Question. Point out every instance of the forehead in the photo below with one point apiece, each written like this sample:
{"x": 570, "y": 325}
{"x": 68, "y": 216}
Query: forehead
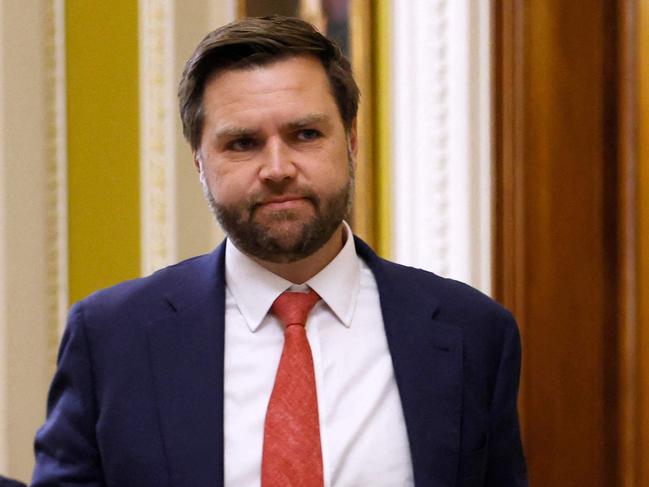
{"x": 289, "y": 83}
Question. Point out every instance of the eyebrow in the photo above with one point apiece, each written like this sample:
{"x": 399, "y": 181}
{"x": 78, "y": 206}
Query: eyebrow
{"x": 233, "y": 132}
{"x": 309, "y": 119}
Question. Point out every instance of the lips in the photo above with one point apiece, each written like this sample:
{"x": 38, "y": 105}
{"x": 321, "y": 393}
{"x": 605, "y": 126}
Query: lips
{"x": 283, "y": 202}
{"x": 282, "y": 199}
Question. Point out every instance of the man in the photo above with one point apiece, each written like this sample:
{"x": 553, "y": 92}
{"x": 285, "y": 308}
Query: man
{"x": 204, "y": 373}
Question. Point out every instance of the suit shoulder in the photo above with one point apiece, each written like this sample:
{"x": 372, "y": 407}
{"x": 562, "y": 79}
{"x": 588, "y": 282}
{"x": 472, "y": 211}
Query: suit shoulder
{"x": 145, "y": 294}
{"x": 458, "y": 300}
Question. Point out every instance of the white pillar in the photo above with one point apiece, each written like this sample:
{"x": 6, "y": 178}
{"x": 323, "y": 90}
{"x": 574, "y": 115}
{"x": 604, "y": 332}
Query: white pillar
{"x": 176, "y": 222}
{"x": 441, "y": 160}
{"x": 33, "y": 282}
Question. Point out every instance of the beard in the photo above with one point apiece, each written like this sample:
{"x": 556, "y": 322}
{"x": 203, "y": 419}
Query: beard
{"x": 286, "y": 235}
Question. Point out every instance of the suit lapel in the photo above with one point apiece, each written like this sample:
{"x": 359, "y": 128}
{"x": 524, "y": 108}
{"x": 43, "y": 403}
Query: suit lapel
{"x": 427, "y": 359}
{"x": 186, "y": 354}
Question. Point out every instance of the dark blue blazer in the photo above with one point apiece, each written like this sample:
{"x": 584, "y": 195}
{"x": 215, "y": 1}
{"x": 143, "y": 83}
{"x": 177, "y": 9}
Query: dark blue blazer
{"x": 137, "y": 398}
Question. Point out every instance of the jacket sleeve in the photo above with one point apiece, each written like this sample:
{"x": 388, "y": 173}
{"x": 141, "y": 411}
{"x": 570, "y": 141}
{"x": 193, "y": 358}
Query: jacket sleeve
{"x": 66, "y": 446}
{"x": 506, "y": 463}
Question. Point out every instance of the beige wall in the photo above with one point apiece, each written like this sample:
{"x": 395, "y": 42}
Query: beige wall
{"x": 34, "y": 278}
{"x": 27, "y": 323}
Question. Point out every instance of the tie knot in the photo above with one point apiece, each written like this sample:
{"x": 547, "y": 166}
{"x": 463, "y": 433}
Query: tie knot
{"x": 293, "y": 308}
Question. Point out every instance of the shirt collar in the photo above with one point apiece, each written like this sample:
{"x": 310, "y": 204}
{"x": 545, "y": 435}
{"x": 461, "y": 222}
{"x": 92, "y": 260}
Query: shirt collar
{"x": 338, "y": 283}
{"x": 255, "y": 288}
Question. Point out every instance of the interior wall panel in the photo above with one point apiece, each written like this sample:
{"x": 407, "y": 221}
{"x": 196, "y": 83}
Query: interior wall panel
{"x": 175, "y": 220}
{"x": 29, "y": 247}
{"x": 640, "y": 414}
{"x": 564, "y": 232}
{"x": 103, "y": 144}
{"x": 441, "y": 159}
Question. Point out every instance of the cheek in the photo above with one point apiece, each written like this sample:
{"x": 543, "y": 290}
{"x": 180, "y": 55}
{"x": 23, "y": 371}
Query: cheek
{"x": 331, "y": 169}
{"x": 337, "y": 173}
{"x": 228, "y": 186}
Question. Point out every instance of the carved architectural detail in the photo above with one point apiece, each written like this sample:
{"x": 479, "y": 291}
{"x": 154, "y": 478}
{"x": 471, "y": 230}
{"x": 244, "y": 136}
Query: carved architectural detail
{"x": 56, "y": 172}
{"x": 33, "y": 214}
{"x": 421, "y": 139}
{"x": 441, "y": 165}
{"x": 157, "y": 142}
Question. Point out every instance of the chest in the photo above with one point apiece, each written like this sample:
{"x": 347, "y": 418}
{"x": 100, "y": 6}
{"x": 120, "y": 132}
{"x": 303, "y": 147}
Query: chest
{"x": 363, "y": 433}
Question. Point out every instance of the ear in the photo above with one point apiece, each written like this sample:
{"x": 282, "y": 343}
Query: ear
{"x": 353, "y": 138}
{"x": 196, "y": 155}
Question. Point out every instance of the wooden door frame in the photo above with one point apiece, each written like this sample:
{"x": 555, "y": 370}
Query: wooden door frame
{"x": 637, "y": 417}
{"x": 625, "y": 394}
{"x": 630, "y": 437}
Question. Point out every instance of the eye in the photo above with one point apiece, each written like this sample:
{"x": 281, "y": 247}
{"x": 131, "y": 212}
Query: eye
{"x": 308, "y": 134}
{"x": 241, "y": 145}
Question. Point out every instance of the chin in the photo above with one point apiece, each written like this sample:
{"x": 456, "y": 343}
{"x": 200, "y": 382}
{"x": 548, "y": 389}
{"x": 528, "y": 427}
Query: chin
{"x": 288, "y": 239}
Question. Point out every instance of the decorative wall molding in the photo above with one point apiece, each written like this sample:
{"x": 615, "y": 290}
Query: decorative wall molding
{"x": 33, "y": 209}
{"x": 56, "y": 170}
{"x": 157, "y": 140}
{"x": 175, "y": 220}
{"x": 441, "y": 163}
{"x": 4, "y": 257}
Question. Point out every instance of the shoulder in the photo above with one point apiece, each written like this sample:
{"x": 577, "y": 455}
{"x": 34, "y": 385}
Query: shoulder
{"x": 147, "y": 297}
{"x": 454, "y": 302}
{"x": 456, "y": 299}
{"x": 115, "y": 321}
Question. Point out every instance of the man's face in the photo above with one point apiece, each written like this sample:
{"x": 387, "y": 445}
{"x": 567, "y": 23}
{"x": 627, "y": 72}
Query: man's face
{"x": 276, "y": 161}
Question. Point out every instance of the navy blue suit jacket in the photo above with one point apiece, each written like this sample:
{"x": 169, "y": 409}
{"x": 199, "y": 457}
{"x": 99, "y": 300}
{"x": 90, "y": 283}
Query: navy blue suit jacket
{"x": 137, "y": 398}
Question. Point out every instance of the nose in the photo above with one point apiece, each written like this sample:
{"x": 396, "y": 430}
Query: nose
{"x": 277, "y": 165}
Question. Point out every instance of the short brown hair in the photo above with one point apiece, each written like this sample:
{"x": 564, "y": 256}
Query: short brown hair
{"x": 258, "y": 41}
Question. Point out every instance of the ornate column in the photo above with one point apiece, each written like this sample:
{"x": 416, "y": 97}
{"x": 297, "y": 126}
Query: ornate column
{"x": 441, "y": 162}
{"x": 176, "y": 222}
{"x": 33, "y": 232}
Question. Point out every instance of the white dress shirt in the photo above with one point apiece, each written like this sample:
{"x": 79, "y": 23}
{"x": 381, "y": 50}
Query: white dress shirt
{"x": 363, "y": 433}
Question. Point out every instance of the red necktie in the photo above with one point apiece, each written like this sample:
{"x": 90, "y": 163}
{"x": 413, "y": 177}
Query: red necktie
{"x": 292, "y": 455}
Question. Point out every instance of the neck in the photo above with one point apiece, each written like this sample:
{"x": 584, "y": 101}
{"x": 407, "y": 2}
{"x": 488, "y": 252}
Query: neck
{"x": 302, "y": 270}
